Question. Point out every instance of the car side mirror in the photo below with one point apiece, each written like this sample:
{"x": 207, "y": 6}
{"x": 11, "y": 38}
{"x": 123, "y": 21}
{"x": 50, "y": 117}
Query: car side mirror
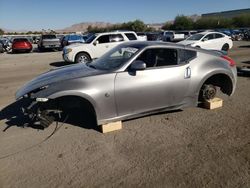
{"x": 138, "y": 65}
{"x": 96, "y": 42}
{"x": 205, "y": 39}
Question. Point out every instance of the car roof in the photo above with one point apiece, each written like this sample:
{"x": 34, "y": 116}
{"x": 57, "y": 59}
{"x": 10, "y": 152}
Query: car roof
{"x": 145, "y": 44}
{"x": 209, "y": 32}
{"x": 114, "y": 32}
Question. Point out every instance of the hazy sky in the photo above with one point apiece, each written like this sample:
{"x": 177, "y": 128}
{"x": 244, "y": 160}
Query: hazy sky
{"x": 58, "y": 14}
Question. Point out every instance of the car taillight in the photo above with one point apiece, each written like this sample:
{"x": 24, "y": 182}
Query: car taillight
{"x": 230, "y": 61}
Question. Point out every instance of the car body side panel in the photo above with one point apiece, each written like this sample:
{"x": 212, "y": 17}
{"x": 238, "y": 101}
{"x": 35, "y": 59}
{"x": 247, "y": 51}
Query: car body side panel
{"x": 151, "y": 89}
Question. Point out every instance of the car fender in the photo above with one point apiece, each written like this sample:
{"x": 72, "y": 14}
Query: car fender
{"x": 76, "y": 94}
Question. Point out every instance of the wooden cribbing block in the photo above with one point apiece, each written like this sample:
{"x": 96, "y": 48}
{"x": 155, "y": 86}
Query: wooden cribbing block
{"x": 213, "y": 103}
{"x": 109, "y": 127}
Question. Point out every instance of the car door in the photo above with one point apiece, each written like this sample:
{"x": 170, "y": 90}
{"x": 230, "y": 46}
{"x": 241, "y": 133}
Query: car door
{"x": 218, "y": 41}
{"x": 208, "y": 41}
{"x": 104, "y": 43}
{"x": 162, "y": 84}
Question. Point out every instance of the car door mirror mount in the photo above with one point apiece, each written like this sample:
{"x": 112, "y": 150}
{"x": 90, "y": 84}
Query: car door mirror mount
{"x": 96, "y": 42}
{"x": 138, "y": 65}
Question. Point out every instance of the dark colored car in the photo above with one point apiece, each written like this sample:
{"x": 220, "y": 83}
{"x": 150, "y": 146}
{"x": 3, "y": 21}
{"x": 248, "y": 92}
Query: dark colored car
{"x": 21, "y": 45}
{"x": 153, "y": 36}
{"x": 1, "y": 47}
{"x": 70, "y": 39}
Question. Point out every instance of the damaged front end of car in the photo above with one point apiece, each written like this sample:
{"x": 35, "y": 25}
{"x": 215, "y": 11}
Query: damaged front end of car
{"x": 40, "y": 111}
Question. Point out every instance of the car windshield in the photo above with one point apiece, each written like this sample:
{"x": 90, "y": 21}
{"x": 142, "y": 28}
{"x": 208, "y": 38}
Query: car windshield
{"x": 91, "y": 38}
{"x": 195, "y": 37}
{"x": 115, "y": 58}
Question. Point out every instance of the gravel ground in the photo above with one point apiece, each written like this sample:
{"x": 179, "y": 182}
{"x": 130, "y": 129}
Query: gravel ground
{"x": 190, "y": 148}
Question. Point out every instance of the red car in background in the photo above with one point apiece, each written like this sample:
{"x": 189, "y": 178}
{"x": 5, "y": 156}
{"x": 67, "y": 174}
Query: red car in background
{"x": 21, "y": 45}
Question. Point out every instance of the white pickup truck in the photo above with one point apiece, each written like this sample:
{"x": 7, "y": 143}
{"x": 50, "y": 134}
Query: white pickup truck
{"x": 172, "y": 36}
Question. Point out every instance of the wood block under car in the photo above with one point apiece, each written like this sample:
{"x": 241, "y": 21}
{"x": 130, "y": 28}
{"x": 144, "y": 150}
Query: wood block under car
{"x": 109, "y": 127}
{"x": 213, "y": 103}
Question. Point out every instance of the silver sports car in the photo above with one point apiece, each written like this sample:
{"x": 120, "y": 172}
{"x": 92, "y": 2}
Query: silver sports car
{"x": 134, "y": 79}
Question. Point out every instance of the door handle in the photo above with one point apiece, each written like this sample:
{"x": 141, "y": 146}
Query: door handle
{"x": 187, "y": 73}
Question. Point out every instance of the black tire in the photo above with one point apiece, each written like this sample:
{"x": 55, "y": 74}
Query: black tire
{"x": 208, "y": 92}
{"x": 197, "y": 46}
{"x": 82, "y": 57}
{"x": 225, "y": 47}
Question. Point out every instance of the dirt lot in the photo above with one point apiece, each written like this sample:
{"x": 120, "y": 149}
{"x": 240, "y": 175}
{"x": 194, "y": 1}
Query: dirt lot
{"x": 190, "y": 148}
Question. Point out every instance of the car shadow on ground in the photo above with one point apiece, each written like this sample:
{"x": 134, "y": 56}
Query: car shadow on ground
{"x": 246, "y": 62}
{"x": 13, "y": 116}
{"x": 36, "y": 50}
{"x": 60, "y": 64}
{"x": 243, "y": 71}
{"x": 244, "y": 46}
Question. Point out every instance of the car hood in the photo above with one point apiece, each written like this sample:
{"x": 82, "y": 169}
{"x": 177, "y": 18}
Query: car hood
{"x": 57, "y": 75}
{"x": 187, "y": 42}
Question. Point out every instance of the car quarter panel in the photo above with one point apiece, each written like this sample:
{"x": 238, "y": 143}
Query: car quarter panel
{"x": 204, "y": 67}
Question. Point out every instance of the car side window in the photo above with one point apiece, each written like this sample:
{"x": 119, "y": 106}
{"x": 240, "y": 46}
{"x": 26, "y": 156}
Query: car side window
{"x": 209, "y": 37}
{"x": 116, "y": 38}
{"x": 130, "y": 36}
{"x": 159, "y": 57}
{"x": 185, "y": 55}
{"x": 217, "y": 35}
{"x": 103, "y": 39}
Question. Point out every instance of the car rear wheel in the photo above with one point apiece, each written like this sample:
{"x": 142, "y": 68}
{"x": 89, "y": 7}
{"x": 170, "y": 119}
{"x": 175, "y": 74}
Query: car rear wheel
{"x": 82, "y": 58}
{"x": 225, "y": 47}
{"x": 208, "y": 92}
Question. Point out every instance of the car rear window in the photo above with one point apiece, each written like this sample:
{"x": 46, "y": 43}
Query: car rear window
{"x": 49, "y": 36}
{"x": 20, "y": 40}
{"x": 131, "y": 36}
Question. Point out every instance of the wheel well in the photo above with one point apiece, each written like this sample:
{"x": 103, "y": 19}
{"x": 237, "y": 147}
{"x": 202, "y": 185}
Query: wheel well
{"x": 82, "y": 52}
{"x": 222, "y": 81}
{"x": 76, "y": 103}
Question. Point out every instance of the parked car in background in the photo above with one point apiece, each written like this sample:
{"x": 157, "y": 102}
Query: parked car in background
{"x": 7, "y": 44}
{"x": 141, "y": 36}
{"x": 21, "y": 45}
{"x": 1, "y": 47}
{"x": 134, "y": 79}
{"x": 210, "y": 41}
{"x": 186, "y": 33}
{"x": 49, "y": 41}
{"x": 71, "y": 39}
{"x": 172, "y": 36}
{"x": 154, "y": 36}
{"x": 96, "y": 45}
